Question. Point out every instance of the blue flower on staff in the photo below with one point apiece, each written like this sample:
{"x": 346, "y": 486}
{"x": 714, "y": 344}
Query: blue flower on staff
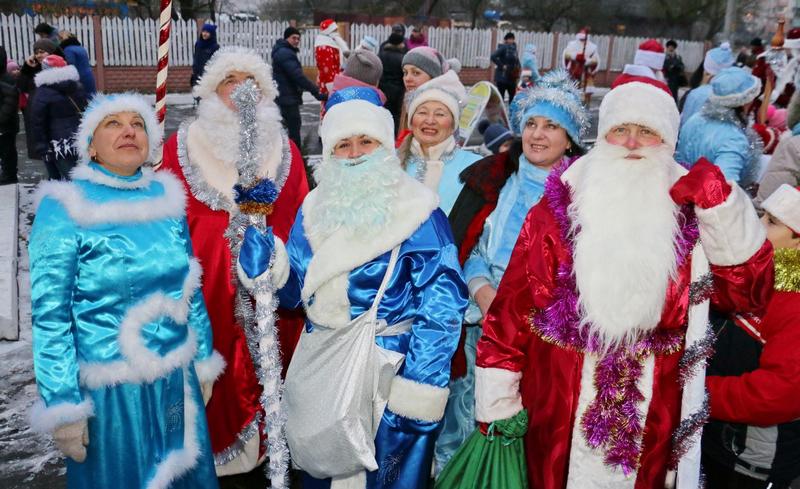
{"x": 264, "y": 192}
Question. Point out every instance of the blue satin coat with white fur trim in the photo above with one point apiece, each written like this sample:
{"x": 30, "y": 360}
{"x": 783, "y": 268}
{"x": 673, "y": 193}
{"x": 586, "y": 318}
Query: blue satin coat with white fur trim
{"x": 427, "y": 285}
{"x": 102, "y": 290}
{"x": 721, "y": 142}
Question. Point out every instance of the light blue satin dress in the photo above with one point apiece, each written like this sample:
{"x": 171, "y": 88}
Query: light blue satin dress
{"x": 119, "y": 325}
{"x": 486, "y": 265}
{"x": 427, "y": 286}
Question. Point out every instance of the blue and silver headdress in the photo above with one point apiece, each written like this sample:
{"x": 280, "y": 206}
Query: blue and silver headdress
{"x": 557, "y": 98}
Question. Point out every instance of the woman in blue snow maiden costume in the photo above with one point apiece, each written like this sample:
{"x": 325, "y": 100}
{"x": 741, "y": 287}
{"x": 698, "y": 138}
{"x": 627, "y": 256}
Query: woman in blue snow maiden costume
{"x": 121, "y": 340}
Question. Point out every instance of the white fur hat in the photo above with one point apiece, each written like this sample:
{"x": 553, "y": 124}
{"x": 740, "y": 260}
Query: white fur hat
{"x": 784, "y": 204}
{"x": 446, "y": 89}
{"x": 235, "y": 58}
{"x": 354, "y": 118}
{"x": 102, "y": 106}
{"x": 643, "y": 104}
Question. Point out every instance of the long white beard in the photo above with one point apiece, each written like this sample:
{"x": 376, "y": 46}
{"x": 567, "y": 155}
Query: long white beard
{"x": 220, "y": 127}
{"x": 358, "y": 199}
{"x": 625, "y": 226}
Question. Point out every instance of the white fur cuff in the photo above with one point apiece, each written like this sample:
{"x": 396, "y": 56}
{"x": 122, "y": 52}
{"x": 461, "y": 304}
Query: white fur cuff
{"x": 731, "y": 232}
{"x": 414, "y": 400}
{"x": 209, "y": 369}
{"x": 496, "y": 394}
{"x": 279, "y": 269}
{"x": 46, "y": 419}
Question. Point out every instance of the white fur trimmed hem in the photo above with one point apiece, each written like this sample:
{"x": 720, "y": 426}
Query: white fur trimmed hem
{"x": 496, "y": 394}
{"x": 44, "y": 419}
{"x": 731, "y": 232}
{"x": 414, "y": 400}
{"x": 179, "y": 462}
{"x": 209, "y": 369}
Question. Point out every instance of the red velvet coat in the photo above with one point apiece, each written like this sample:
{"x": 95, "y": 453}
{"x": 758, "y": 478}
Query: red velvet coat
{"x": 235, "y": 399}
{"x": 551, "y": 373}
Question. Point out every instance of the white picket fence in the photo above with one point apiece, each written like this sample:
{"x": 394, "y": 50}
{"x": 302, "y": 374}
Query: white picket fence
{"x": 16, "y": 33}
{"x": 133, "y": 42}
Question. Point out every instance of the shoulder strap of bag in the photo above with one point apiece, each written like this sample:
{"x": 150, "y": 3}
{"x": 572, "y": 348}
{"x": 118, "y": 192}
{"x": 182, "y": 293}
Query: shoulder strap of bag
{"x": 78, "y": 109}
{"x": 373, "y": 311}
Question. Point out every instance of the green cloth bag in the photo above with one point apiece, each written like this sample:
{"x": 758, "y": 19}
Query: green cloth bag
{"x": 492, "y": 461}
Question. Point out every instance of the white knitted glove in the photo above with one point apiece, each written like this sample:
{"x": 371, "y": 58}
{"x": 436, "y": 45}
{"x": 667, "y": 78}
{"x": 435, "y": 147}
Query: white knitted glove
{"x": 72, "y": 439}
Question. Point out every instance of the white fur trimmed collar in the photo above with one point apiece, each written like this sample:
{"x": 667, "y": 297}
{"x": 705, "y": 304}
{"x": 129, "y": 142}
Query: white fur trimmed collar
{"x": 86, "y": 212}
{"x": 51, "y": 76}
{"x": 85, "y": 171}
{"x": 340, "y": 253}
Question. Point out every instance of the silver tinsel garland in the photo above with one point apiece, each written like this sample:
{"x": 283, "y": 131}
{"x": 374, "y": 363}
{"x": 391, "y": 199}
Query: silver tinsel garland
{"x": 263, "y": 344}
{"x": 701, "y": 289}
{"x": 243, "y": 310}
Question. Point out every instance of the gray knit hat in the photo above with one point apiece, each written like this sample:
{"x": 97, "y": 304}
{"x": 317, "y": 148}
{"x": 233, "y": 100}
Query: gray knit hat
{"x": 426, "y": 59}
{"x": 364, "y": 66}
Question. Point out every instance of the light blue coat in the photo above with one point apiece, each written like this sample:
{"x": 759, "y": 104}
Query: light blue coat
{"x": 450, "y": 184}
{"x": 120, "y": 329}
{"x": 720, "y": 140}
{"x": 695, "y": 100}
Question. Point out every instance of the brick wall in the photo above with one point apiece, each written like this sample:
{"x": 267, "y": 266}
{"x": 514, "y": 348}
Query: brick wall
{"x": 143, "y": 78}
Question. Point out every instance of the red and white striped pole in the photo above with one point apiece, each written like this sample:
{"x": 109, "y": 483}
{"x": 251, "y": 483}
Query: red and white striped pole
{"x": 164, "y": 22}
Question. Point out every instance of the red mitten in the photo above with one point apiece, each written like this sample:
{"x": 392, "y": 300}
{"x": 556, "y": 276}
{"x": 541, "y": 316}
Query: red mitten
{"x": 704, "y": 186}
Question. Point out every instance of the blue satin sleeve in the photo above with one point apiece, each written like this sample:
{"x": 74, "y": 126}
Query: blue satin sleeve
{"x": 299, "y": 251}
{"x": 440, "y": 299}
{"x": 53, "y": 250}
{"x": 198, "y": 315}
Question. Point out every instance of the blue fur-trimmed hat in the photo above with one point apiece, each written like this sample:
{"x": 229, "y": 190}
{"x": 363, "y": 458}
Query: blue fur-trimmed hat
{"x": 734, "y": 87}
{"x": 103, "y": 105}
{"x": 557, "y": 98}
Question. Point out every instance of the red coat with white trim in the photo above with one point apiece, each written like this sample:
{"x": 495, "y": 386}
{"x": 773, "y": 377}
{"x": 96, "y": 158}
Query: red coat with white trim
{"x": 525, "y": 359}
{"x": 235, "y": 402}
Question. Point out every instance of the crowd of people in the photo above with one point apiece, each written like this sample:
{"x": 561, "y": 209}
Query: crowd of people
{"x": 551, "y": 313}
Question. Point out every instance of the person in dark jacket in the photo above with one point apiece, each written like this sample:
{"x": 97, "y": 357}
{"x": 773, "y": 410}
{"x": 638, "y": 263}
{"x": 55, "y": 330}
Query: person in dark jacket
{"x": 76, "y": 55}
{"x": 25, "y": 84}
{"x": 46, "y": 31}
{"x": 204, "y": 48}
{"x": 674, "y": 70}
{"x": 391, "y": 54}
{"x": 56, "y": 114}
{"x": 507, "y": 66}
{"x": 9, "y": 123}
{"x": 288, "y": 74}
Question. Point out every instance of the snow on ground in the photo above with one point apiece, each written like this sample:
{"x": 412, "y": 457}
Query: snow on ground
{"x": 28, "y": 460}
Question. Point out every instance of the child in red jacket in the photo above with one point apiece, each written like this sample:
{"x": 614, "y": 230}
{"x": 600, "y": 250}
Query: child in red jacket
{"x": 753, "y": 439}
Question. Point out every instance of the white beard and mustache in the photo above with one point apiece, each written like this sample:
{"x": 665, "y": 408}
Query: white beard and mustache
{"x": 220, "y": 127}
{"x": 358, "y": 199}
{"x": 625, "y": 226}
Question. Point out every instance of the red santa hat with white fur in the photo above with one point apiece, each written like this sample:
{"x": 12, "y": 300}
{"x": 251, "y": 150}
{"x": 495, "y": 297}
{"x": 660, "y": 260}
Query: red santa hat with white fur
{"x": 328, "y": 26}
{"x": 650, "y": 54}
{"x": 784, "y": 204}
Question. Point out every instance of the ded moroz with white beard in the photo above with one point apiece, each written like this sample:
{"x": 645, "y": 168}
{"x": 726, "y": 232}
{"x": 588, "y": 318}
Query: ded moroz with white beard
{"x": 371, "y": 258}
{"x": 599, "y": 327}
{"x": 203, "y": 154}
